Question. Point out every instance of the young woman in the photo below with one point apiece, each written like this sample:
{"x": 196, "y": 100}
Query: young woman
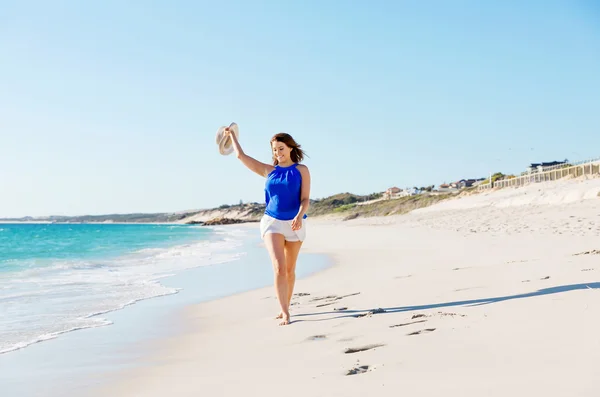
{"x": 282, "y": 227}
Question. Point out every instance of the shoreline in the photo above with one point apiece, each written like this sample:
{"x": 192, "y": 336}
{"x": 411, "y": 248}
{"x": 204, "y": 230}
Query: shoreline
{"x": 74, "y": 362}
{"x": 408, "y": 298}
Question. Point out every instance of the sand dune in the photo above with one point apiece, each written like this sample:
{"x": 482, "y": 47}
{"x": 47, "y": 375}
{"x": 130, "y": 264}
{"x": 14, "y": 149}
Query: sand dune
{"x": 547, "y": 193}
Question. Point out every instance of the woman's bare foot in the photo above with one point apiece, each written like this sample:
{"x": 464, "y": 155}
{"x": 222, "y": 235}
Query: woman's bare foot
{"x": 285, "y": 319}
{"x": 280, "y": 315}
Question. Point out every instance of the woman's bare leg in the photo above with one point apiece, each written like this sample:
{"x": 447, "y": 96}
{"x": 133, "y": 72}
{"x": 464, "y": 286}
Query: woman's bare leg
{"x": 275, "y": 244}
{"x": 291, "y": 249}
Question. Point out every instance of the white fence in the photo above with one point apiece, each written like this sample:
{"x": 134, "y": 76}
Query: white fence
{"x": 484, "y": 186}
{"x": 588, "y": 167}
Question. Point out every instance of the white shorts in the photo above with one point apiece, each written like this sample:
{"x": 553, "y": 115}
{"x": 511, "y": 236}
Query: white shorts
{"x": 268, "y": 224}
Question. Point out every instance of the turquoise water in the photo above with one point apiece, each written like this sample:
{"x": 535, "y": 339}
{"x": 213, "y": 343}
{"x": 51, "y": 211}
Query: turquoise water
{"x": 225, "y": 261}
{"x": 30, "y": 245}
{"x": 57, "y": 278}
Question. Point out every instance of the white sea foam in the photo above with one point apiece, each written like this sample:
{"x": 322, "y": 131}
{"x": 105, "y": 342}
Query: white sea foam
{"x": 48, "y": 336}
{"x": 42, "y": 303}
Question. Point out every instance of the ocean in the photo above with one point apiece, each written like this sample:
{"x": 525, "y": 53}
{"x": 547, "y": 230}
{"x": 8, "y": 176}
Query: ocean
{"x": 81, "y": 302}
{"x": 57, "y": 278}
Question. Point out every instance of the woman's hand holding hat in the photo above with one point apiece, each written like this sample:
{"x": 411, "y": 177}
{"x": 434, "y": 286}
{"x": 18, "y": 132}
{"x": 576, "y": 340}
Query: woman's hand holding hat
{"x": 225, "y": 137}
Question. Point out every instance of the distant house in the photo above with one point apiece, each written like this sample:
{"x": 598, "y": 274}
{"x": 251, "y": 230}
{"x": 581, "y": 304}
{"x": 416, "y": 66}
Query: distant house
{"x": 391, "y": 193}
{"x": 409, "y": 192}
{"x": 462, "y": 184}
{"x": 454, "y": 186}
{"x": 541, "y": 167}
{"x": 444, "y": 187}
{"x": 465, "y": 183}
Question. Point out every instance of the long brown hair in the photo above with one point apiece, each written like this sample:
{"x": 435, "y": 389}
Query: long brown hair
{"x": 296, "y": 154}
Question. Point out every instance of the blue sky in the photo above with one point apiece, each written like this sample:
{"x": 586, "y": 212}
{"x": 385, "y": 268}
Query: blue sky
{"x": 112, "y": 107}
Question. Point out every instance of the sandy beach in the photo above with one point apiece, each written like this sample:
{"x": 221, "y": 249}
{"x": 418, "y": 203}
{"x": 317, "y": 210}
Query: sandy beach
{"x": 491, "y": 295}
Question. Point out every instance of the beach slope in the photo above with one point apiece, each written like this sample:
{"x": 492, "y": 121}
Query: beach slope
{"x": 490, "y": 295}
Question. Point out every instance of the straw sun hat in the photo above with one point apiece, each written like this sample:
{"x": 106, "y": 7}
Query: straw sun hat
{"x": 225, "y": 144}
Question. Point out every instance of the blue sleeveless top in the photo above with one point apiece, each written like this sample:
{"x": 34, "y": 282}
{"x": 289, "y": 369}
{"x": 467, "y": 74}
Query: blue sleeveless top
{"x": 282, "y": 192}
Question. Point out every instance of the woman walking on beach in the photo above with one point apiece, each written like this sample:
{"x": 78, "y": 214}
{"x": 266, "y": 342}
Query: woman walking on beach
{"x": 282, "y": 226}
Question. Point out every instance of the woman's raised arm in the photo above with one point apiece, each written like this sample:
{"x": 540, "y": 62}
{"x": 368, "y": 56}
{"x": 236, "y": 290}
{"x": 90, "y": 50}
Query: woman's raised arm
{"x": 260, "y": 168}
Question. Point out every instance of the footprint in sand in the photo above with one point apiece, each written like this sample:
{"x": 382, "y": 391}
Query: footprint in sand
{"x": 370, "y": 313}
{"x": 351, "y": 350}
{"x": 358, "y": 370}
{"x": 465, "y": 289}
{"x": 423, "y": 331}
{"x": 323, "y": 298}
{"x": 443, "y": 314}
{"x": 410, "y": 323}
{"x": 325, "y": 304}
{"x": 317, "y": 337}
{"x": 331, "y": 298}
{"x": 592, "y": 252}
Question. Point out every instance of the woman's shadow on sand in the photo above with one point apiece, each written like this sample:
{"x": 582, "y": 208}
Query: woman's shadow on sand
{"x": 474, "y": 302}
